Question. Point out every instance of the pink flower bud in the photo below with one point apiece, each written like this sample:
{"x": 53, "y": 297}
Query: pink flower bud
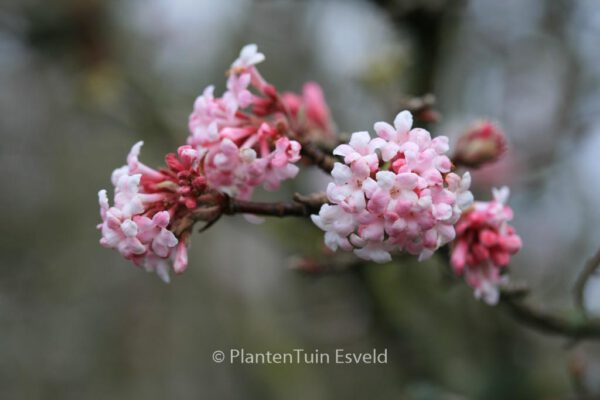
{"x": 316, "y": 107}
{"x": 187, "y": 155}
{"x": 181, "y": 258}
{"x": 173, "y": 162}
{"x": 488, "y": 238}
{"x": 483, "y": 246}
{"x": 483, "y": 143}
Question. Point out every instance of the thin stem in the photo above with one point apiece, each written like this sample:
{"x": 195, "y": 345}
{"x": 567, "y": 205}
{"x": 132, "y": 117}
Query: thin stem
{"x": 318, "y": 157}
{"x": 302, "y": 206}
{"x": 577, "y": 326}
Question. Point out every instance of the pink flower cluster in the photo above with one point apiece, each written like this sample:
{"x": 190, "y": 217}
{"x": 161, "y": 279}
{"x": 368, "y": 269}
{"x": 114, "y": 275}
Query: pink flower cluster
{"x": 485, "y": 241}
{"x": 238, "y": 142}
{"x": 393, "y": 192}
{"x": 239, "y": 134}
{"x": 146, "y": 204}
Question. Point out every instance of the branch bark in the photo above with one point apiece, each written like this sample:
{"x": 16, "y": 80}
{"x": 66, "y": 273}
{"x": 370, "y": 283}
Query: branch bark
{"x": 576, "y": 325}
{"x": 279, "y": 209}
{"x": 302, "y": 206}
{"x": 318, "y": 157}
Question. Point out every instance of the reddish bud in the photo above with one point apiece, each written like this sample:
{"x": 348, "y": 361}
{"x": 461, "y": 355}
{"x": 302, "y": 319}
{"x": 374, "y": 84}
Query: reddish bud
{"x": 190, "y": 202}
{"x": 483, "y": 143}
{"x": 480, "y": 252}
{"x": 488, "y": 238}
{"x": 199, "y": 182}
{"x": 173, "y": 162}
{"x": 317, "y": 110}
{"x": 269, "y": 90}
{"x": 183, "y": 176}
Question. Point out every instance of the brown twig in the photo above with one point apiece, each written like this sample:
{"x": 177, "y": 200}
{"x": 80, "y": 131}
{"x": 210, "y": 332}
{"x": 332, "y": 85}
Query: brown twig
{"x": 302, "y": 206}
{"x": 513, "y": 297}
{"x": 574, "y": 326}
{"x": 318, "y": 156}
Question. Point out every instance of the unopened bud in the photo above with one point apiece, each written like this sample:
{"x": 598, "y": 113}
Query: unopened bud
{"x": 187, "y": 155}
{"x": 173, "y": 162}
{"x": 483, "y": 143}
{"x": 181, "y": 257}
{"x": 248, "y": 155}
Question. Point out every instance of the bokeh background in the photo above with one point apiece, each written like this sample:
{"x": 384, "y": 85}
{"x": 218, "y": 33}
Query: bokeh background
{"x": 82, "y": 80}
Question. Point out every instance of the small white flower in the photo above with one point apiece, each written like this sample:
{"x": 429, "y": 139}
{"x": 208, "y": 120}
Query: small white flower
{"x": 249, "y": 56}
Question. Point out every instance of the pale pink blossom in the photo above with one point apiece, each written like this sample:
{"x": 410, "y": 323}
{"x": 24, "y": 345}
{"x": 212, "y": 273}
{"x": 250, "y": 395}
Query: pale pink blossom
{"x": 221, "y": 164}
{"x": 154, "y": 232}
{"x": 484, "y": 244}
{"x": 337, "y": 224}
{"x": 395, "y": 193}
{"x": 147, "y": 204}
{"x": 378, "y": 252}
{"x": 238, "y": 141}
{"x": 249, "y": 56}
{"x": 139, "y": 238}
{"x": 127, "y": 197}
{"x": 181, "y": 258}
{"x": 118, "y": 231}
{"x": 414, "y": 150}
{"x": 159, "y": 265}
{"x": 360, "y": 153}
{"x": 237, "y": 95}
{"x": 281, "y": 164}
{"x": 237, "y": 134}
{"x": 394, "y": 135}
{"x": 346, "y": 188}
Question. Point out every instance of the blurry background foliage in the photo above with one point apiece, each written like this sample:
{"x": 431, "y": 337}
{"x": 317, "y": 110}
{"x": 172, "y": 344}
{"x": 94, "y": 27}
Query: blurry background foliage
{"x": 82, "y": 80}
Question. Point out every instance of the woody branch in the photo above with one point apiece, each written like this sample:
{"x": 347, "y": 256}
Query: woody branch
{"x": 574, "y": 325}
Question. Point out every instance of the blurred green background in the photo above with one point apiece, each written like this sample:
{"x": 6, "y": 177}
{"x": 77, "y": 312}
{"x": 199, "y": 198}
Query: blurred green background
{"x": 82, "y": 80}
